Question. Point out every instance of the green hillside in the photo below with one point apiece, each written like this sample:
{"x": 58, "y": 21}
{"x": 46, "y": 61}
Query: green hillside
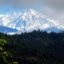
{"x": 32, "y": 48}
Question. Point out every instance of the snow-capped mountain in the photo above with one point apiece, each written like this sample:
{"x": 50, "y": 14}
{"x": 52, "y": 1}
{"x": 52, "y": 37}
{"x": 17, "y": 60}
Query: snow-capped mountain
{"x": 30, "y": 20}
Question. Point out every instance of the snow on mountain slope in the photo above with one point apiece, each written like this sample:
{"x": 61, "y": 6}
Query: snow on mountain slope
{"x": 29, "y": 20}
{"x": 7, "y": 30}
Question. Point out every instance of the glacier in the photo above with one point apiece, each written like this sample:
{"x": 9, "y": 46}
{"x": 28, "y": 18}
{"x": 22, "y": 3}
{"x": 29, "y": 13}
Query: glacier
{"x": 30, "y": 20}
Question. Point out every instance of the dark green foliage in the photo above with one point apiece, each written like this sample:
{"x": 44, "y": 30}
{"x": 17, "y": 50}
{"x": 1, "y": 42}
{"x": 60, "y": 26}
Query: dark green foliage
{"x": 32, "y": 48}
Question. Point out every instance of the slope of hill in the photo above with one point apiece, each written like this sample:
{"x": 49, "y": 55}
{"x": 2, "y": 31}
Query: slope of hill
{"x": 4, "y": 29}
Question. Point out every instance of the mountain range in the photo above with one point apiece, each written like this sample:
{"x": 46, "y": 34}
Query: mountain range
{"x": 28, "y": 21}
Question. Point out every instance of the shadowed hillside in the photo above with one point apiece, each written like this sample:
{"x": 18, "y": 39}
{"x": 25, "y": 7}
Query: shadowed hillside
{"x": 32, "y": 48}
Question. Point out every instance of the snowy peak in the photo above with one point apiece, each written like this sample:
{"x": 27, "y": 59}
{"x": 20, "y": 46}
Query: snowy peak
{"x": 29, "y": 20}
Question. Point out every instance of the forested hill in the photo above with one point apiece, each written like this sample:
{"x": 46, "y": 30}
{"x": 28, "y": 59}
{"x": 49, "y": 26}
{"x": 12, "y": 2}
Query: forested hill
{"x": 32, "y": 48}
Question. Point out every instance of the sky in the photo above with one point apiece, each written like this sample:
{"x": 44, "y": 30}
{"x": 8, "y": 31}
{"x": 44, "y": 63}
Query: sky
{"x": 51, "y": 8}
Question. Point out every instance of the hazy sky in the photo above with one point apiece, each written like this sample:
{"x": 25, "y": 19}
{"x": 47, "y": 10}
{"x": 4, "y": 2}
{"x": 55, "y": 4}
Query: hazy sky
{"x": 58, "y": 4}
{"x": 51, "y": 8}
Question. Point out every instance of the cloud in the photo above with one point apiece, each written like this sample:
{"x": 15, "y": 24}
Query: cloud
{"x": 56, "y": 4}
{"x": 20, "y": 3}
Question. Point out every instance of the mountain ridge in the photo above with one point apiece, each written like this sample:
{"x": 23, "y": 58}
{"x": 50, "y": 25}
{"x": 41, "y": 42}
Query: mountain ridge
{"x": 30, "y": 20}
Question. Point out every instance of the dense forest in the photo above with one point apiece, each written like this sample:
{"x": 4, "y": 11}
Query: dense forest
{"x": 32, "y": 48}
